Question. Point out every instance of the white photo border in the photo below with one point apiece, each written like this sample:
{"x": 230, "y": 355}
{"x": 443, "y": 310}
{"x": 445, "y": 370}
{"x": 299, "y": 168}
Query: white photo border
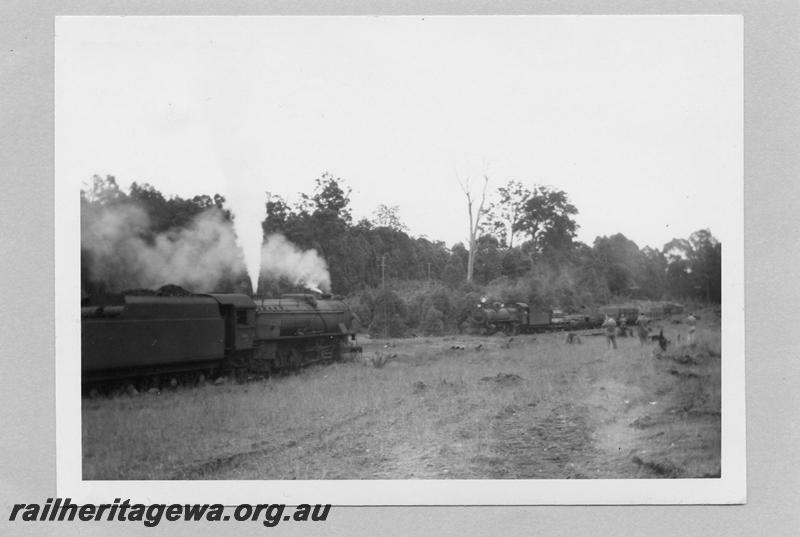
{"x": 730, "y": 488}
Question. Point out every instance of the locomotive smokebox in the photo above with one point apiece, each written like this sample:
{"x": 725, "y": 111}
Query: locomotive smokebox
{"x": 483, "y": 315}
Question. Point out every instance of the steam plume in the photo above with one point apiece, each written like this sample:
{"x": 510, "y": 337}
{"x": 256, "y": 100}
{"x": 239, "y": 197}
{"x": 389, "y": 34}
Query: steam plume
{"x": 279, "y": 257}
{"x": 248, "y": 211}
{"x": 125, "y": 254}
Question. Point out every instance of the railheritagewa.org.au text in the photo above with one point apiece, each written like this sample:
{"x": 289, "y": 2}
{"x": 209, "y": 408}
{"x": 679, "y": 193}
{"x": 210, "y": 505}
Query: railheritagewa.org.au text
{"x": 63, "y": 510}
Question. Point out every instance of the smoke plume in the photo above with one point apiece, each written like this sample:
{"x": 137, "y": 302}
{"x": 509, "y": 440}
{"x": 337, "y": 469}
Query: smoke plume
{"x": 124, "y": 253}
{"x": 279, "y": 257}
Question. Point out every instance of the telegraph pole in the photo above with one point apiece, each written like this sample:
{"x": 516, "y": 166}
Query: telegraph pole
{"x": 385, "y": 305}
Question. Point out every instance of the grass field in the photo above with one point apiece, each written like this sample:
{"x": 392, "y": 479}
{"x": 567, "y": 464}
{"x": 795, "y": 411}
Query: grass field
{"x": 448, "y": 407}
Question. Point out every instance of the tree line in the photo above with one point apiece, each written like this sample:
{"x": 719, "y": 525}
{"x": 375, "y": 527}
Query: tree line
{"x": 525, "y": 249}
{"x": 527, "y": 235}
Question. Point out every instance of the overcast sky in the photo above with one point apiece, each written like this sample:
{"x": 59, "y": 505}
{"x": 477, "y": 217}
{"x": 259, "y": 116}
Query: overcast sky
{"x": 637, "y": 118}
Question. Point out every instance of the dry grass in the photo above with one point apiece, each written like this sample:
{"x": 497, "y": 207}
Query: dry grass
{"x": 461, "y": 407}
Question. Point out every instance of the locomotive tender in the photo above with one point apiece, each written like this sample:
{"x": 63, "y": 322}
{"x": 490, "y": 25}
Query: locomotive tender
{"x": 131, "y": 336}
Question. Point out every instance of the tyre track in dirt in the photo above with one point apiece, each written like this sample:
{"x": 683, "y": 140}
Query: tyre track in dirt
{"x": 544, "y": 443}
{"x": 664, "y": 429}
{"x": 211, "y": 468}
{"x": 543, "y": 439}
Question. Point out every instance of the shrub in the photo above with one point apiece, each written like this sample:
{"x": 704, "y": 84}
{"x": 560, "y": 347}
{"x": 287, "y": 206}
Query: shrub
{"x": 433, "y": 323}
{"x": 388, "y": 315}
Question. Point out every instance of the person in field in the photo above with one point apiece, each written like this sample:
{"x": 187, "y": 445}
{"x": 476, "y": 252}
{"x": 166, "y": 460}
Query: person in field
{"x": 643, "y": 328}
{"x": 610, "y": 326}
{"x": 691, "y": 320}
{"x": 623, "y": 325}
{"x": 661, "y": 340}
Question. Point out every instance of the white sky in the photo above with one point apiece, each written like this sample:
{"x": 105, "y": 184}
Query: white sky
{"x": 637, "y": 118}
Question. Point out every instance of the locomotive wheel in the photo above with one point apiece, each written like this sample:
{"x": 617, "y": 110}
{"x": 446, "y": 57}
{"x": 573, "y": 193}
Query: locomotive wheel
{"x": 511, "y": 330}
{"x": 295, "y": 360}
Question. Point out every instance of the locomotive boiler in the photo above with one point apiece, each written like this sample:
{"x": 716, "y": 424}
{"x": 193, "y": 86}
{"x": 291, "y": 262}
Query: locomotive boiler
{"x": 299, "y": 329}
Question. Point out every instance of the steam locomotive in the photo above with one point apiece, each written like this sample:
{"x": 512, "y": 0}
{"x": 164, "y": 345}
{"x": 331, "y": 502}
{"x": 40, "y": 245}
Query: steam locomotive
{"x": 519, "y": 318}
{"x": 135, "y": 337}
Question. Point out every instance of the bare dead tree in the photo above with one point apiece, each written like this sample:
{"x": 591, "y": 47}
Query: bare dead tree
{"x": 474, "y": 221}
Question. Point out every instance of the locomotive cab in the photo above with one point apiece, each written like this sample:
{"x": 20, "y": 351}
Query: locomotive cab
{"x": 526, "y": 313}
{"x": 239, "y": 314}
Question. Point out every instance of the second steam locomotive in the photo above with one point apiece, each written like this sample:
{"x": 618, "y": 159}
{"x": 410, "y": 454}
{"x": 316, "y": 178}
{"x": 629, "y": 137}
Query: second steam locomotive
{"x": 134, "y": 337}
{"x": 519, "y": 318}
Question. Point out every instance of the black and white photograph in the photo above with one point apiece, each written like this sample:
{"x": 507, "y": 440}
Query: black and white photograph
{"x": 401, "y": 260}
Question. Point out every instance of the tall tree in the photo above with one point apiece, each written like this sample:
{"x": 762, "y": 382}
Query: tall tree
{"x": 695, "y": 266}
{"x": 504, "y": 215}
{"x": 619, "y": 259}
{"x": 547, "y": 219}
{"x": 653, "y": 272}
{"x": 278, "y": 215}
{"x": 488, "y": 262}
{"x": 707, "y": 264}
{"x": 388, "y": 216}
{"x": 474, "y": 222}
{"x": 329, "y": 200}
{"x": 103, "y": 191}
